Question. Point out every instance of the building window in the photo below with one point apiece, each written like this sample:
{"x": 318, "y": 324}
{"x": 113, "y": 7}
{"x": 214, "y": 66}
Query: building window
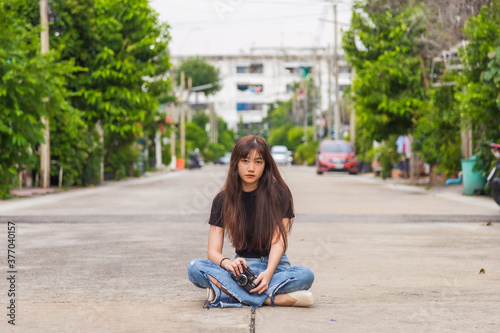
{"x": 249, "y": 106}
{"x": 293, "y": 70}
{"x": 302, "y": 70}
{"x": 343, "y": 87}
{"x": 344, "y": 69}
{"x": 250, "y": 69}
{"x": 251, "y": 88}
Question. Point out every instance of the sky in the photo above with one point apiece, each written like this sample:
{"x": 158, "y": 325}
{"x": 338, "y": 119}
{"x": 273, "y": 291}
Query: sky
{"x": 223, "y": 27}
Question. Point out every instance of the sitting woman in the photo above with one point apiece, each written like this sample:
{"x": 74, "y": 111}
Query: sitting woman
{"x": 254, "y": 210}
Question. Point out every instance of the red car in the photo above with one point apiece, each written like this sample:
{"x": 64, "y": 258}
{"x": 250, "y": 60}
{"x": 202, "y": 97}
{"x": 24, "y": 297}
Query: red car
{"x": 336, "y": 155}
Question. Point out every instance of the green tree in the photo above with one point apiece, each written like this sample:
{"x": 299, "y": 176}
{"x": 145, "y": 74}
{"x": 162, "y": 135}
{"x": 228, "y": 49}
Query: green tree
{"x": 279, "y": 135}
{"x": 479, "y": 84}
{"x": 278, "y": 114}
{"x": 126, "y": 68}
{"x": 201, "y": 73}
{"x": 74, "y": 142}
{"x": 437, "y": 133}
{"x": 382, "y": 46}
{"x": 196, "y": 137}
{"x": 251, "y": 129}
{"x": 32, "y": 86}
{"x": 226, "y": 136}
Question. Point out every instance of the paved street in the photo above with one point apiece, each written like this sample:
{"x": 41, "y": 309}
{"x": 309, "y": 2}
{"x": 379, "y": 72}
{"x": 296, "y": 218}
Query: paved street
{"x": 386, "y": 257}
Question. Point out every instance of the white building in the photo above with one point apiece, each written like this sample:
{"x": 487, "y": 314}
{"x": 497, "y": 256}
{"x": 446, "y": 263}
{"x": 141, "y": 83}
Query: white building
{"x": 251, "y": 81}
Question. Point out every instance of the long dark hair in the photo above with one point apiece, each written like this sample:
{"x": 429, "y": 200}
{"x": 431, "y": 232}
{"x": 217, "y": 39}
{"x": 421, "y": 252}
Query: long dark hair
{"x": 271, "y": 202}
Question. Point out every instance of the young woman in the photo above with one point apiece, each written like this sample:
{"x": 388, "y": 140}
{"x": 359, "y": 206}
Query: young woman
{"x": 254, "y": 210}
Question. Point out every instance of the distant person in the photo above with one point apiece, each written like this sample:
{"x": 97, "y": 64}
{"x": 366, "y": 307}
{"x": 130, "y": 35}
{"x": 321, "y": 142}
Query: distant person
{"x": 254, "y": 209}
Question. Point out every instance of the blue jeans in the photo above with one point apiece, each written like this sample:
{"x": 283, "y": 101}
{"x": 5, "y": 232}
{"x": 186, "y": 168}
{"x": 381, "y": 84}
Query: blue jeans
{"x": 286, "y": 279}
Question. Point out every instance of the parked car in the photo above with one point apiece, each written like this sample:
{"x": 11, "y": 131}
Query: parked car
{"x": 225, "y": 159}
{"x": 281, "y": 155}
{"x": 336, "y": 155}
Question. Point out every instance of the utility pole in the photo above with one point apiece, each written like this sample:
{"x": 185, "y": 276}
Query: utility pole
{"x": 352, "y": 122}
{"x": 173, "y": 114}
{"x": 189, "y": 111}
{"x": 183, "y": 117}
{"x": 45, "y": 147}
{"x": 305, "y": 106}
{"x": 329, "y": 111}
{"x": 314, "y": 103}
{"x": 336, "y": 65}
{"x": 213, "y": 124}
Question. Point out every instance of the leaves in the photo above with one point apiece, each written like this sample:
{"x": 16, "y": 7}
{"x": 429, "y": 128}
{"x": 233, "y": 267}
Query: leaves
{"x": 382, "y": 47}
{"x": 102, "y": 61}
{"x": 479, "y": 89}
{"x": 201, "y": 73}
{"x": 27, "y": 79}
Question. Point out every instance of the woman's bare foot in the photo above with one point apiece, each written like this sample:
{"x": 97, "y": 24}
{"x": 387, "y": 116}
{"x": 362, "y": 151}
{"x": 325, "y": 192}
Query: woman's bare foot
{"x": 281, "y": 300}
{"x": 296, "y": 298}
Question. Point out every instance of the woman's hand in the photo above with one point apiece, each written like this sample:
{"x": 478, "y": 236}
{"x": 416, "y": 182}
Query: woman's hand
{"x": 262, "y": 282}
{"x": 235, "y": 266}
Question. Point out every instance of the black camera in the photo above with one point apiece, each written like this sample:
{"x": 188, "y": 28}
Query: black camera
{"x": 246, "y": 279}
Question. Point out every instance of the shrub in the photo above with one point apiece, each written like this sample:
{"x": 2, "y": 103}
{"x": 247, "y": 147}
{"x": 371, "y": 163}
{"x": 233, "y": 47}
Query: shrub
{"x": 120, "y": 160}
{"x": 306, "y": 152}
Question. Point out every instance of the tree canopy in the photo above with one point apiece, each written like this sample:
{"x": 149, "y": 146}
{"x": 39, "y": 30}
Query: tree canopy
{"x": 382, "y": 47}
{"x": 479, "y": 83}
{"x": 108, "y": 65}
{"x": 201, "y": 73}
{"x": 31, "y": 86}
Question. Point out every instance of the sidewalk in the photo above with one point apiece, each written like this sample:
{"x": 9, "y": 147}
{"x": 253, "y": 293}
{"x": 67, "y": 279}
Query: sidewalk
{"x": 37, "y": 191}
{"x": 451, "y": 192}
{"x": 30, "y": 191}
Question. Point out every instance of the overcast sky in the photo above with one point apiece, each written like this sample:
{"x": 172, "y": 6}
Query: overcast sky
{"x": 203, "y": 27}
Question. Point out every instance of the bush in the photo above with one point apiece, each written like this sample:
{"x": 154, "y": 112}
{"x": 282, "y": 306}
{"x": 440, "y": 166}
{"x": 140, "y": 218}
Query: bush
{"x": 91, "y": 173}
{"x": 213, "y": 151}
{"x": 279, "y": 136}
{"x": 120, "y": 160}
{"x": 307, "y": 153}
{"x": 166, "y": 156}
{"x": 296, "y": 137}
{"x": 387, "y": 158}
{"x": 137, "y": 172}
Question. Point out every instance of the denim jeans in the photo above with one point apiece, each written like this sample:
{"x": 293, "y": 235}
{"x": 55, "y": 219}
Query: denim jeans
{"x": 286, "y": 279}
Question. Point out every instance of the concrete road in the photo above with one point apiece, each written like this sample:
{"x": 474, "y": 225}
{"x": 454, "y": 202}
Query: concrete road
{"x": 387, "y": 258}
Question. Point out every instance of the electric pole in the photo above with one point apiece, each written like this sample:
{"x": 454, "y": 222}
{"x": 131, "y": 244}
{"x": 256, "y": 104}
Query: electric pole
{"x": 183, "y": 118}
{"x": 330, "y": 105}
{"x": 45, "y": 147}
{"x": 336, "y": 65}
{"x": 213, "y": 123}
{"x": 173, "y": 114}
{"x": 189, "y": 111}
{"x": 352, "y": 122}
{"x": 314, "y": 98}
{"x": 305, "y": 106}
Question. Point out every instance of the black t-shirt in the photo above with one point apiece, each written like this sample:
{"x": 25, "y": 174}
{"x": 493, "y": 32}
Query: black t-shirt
{"x": 248, "y": 198}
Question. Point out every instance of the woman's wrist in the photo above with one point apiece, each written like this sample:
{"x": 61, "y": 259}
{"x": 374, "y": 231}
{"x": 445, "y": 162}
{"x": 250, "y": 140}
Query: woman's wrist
{"x": 220, "y": 263}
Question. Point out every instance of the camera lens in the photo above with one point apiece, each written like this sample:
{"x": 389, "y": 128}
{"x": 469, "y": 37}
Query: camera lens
{"x": 242, "y": 280}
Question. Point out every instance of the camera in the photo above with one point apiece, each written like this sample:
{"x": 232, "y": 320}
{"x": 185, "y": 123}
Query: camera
{"x": 246, "y": 279}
